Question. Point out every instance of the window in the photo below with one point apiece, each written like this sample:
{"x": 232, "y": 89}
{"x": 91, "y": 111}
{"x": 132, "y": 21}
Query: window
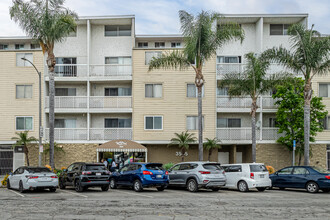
{"x": 117, "y": 91}
{"x": 229, "y": 59}
{"x": 66, "y": 66}
{"x": 24, "y": 123}
{"x": 233, "y": 169}
{"x": 228, "y": 123}
{"x": 153, "y": 123}
{"x": 20, "y": 62}
{"x": 192, "y": 122}
{"x": 19, "y": 46}
{"x": 35, "y": 46}
{"x": 23, "y": 91}
{"x": 272, "y": 122}
{"x": 143, "y": 45}
{"x": 324, "y": 90}
{"x": 300, "y": 171}
{"x": 285, "y": 171}
{"x": 222, "y": 91}
{"x": 326, "y": 123}
{"x": 258, "y": 168}
{"x": 192, "y": 91}
{"x": 65, "y": 123}
{"x": 118, "y": 60}
{"x": 159, "y": 44}
{"x": 176, "y": 44}
{"x": 176, "y": 168}
{"x": 151, "y": 54}
{"x": 65, "y": 91}
{"x": 3, "y": 46}
{"x": 185, "y": 166}
{"x": 153, "y": 90}
{"x": 117, "y": 30}
{"x": 118, "y": 123}
{"x": 279, "y": 29}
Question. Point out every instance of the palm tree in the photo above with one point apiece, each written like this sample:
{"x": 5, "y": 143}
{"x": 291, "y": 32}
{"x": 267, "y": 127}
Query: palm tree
{"x": 183, "y": 141}
{"x": 201, "y": 40}
{"x": 47, "y": 22}
{"x": 23, "y": 139}
{"x": 252, "y": 82}
{"x": 211, "y": 144}
{"x": 309, "y": 55}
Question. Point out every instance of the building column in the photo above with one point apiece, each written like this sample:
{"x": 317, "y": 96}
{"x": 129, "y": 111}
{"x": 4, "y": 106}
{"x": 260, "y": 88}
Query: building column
{"x": 232, "y": 154}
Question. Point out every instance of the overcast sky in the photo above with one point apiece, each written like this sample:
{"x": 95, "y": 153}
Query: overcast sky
{"x": 161, "y": 16}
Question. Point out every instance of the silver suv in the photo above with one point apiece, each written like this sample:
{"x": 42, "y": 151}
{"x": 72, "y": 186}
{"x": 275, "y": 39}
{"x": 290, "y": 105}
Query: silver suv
{"x": 195, "y": 175}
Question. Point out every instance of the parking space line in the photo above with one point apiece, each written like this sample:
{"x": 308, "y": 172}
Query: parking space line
{"x": 136, "y": 194}
{"x": 17, "y": 193}
{"x": 77, "y": 194}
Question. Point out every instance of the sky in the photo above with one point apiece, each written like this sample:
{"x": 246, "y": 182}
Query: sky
{"x": 161, "y": 16}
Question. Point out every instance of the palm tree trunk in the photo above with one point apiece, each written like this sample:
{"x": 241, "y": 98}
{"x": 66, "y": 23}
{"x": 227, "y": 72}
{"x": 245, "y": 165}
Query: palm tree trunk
{"x": 210, "y": 153}
{"x": 200, "y": 125}
{"x": 254, "y": 138}
{"x": 307, "y": 113}
{"x": 182, "y": 154}
{"x": 26, "y": 151}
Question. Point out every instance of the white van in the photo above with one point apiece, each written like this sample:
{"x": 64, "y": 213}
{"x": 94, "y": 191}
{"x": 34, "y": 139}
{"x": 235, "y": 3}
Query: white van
{"x": 245, "y": 176}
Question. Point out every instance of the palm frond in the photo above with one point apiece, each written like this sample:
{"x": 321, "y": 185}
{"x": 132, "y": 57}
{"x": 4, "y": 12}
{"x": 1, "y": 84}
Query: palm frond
{"x": 171, "y": 60}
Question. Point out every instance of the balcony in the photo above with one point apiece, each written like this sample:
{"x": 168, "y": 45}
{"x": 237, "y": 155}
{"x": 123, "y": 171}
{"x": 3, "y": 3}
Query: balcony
{"x": 270, "y": 134}
{"x": 72, "y": 103}
{"x": 115, "y": 103}
{"x": 108, "y": 134}
{"x": 65, "y": 72}
{"x": 68, "y": 134}
{"x": 110, "y": 72}
{"x": 236, "y": 134}
{"x": 224, "y": 102}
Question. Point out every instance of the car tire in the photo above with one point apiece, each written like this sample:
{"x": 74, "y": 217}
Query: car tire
{"x": 192, "y": 185}
{"x": 281, "y": 188}
{"x": 77, "y": 186}
{"x": 53, "y": 189}
{"x": 61, "y": 184}
{"x": 312, "y": 187}
{"x": 137, "y": 186}
{"x": 325, "y": 190}
{"x": 215, "y": 189}
{"x": 162, "y": 188}
{"x": 8, "y": 184}
{"x": 21, "y": 187}
{"x": 113, "y": 184}
{"x": 261, "y": 189}
{"x": 105, "y": 188}
{"x": 242, "y": 186}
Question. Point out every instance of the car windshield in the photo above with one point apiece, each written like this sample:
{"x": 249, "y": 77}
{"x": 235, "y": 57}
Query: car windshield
{"x": 214, "y": 166}
{"x": 321, "y": 170}
{"x": 154, "y": 166}
{"x": 258, "y": 168}
{"x": 95, "y": 167}
{"x": 38, "y": 170}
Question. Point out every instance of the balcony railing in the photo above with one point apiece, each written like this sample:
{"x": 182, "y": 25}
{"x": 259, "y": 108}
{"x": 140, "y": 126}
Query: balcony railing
{"x": 270, "y": 134}
{"x": 235, "y": 102}
{"x": 268, "y": 102}
{"x": 68, "y": 101}
{"x": 69, "y": 70}
{"x": 110, "y": 70}
{"x": 236, "y": 134}
{"x": 68, "y": 134}
{"x": 110, "y": 133}
{"x": 110, "y": 102}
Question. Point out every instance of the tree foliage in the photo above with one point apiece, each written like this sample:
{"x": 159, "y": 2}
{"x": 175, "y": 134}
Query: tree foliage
{"x": 211, "y": 144}
{"x": 183, "y": 141}
{"x": 23, "y": 139}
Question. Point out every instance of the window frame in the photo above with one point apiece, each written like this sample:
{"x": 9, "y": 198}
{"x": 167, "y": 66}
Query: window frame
{"x": 4, "y": 46}
{"x": 117, "y": 31}
{"x": 328, "y": 90}
{"x": 153, "y": 122}
{"x": 24, "y": 123}
{"x": 195, "y": 116}
{"x": 143, "y": 44}
{"x": 118, "y": 118}
{"x": 25, "y": 85}
{"x": 160, "y": 44}
{"x": 196, "y": 91}
{"x": 176, "y": 45}
{"x": 19, "y": 46}
{"x": 154, "y": 52}
{"x": 26, "y": 64}
{"x": 285, "y": 28}
{"x": 227, "y": 122}
{"x": 153, "y": 92}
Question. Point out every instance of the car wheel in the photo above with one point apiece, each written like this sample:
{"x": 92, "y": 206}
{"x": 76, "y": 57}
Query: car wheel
{"x": 312, "y": 187}
{"x": 77, "y": 186}
{"x": 162, "y": 188}
{"x": 8, "y": 184}
{"x": 113, "y": 184}
{"x": 137, "y": 186}
{"x": 62, "y": 184}
{"x": 281, "y": 188}
{"x": 215, "y": 189}
{"x": 53, "y": 189}
{"x": 21, "y": 187}
{"x": 261, "y": 189}
{"x": 192, "y": 185}
{"x": 242, "y": 186}
{"x": 105, "y": 188}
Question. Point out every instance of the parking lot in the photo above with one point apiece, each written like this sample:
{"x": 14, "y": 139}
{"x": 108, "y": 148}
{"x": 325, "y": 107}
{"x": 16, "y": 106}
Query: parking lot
{"x": 169, "y": 204}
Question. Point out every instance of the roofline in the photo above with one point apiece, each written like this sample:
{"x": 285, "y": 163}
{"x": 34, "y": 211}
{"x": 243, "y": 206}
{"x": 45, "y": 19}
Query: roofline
{"x": 158, "y": 35}
{"x": 104, "y": 17}
{"x": 266, "y": 15}
{"x": 15, "y": 38}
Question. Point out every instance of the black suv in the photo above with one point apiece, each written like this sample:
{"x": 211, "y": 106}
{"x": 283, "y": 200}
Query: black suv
{"x": 83, "y": 175}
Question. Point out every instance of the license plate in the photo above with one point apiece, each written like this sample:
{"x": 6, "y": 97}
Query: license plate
{"x": 159, "y": 176}
{"x": 262, "y": 176}
{"x": 98, "y": 174}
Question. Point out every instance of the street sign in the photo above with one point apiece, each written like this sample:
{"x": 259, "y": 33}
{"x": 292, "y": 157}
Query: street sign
{"x": 41, "y": 148}
{"x": 41, "y": 131}
{"x": 294, "y": 144}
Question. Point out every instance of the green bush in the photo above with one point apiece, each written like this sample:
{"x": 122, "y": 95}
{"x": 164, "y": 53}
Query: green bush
{"x": 168, "y": 166}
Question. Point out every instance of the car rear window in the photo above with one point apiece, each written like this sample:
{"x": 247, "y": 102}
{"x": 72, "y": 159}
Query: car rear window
{"x": 154, "y": 166}
{"x": 38, "y": 170}
{"x": 95, "y": 167}
{"x": 214, "y": 166}
{"x": 258, "y": 168}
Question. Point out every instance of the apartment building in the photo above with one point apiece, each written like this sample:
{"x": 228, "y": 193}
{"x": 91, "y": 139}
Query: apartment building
{"x": 19, "y": 95}
{"x": 104, "y": 92}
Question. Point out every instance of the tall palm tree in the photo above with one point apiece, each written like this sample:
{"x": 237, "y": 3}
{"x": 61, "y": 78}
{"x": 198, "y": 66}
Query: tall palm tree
{"x": 183, "y": 140}
{"x": 211, "y": 144}
{"x": 202, "y": 39}
{"x": 252, "y": 82}
{"x": 48, "y": 22}
{"x": 309, "y": 55}
{"x": 23, "y": 139}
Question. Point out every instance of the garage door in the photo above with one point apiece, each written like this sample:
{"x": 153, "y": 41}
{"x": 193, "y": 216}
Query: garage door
{"x": 6, "y": 162}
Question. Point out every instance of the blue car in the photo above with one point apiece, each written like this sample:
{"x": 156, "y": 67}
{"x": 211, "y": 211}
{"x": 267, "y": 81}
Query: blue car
{"x": 139, "y": 176}
{"x": 305, "y": 177}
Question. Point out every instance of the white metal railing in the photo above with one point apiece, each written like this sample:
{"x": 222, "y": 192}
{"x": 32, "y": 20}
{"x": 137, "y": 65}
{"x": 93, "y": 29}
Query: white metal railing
{"x": 69, "y": 70}
{"x": 116, "y": 70}
{"x": 71, "y": 134}
{"x": 110, "y": 102}
{"x": 234, "y": 102}
{"x": 270, "y": 133}
{"x": 110, "y": 133}
{"x": 268, "y": 102}
{"x": 235, "y": 134}
{"x": 68, "y": 101}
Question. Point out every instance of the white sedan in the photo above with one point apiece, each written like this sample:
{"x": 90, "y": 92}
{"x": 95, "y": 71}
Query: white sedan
{"x": 29, "y": 178}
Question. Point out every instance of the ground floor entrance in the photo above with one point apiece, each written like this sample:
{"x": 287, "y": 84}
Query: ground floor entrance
{"x": 235, "y": 154}
{"x": 6, "y": 159}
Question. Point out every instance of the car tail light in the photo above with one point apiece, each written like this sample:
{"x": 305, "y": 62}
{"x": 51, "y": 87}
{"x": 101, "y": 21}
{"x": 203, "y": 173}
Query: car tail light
{"x": 146, "y": 172}
{"x": 31, "y": 177}
{"x": 206, "y": 181}
{"x": 252, "y": 175}
{"x": 204, "y": 172}
{"x": 86, "y": 172}
{"x": 166, "y": 173}
{"x": 223, "y": 172}
{"x": 54, "y": 177}
{"x": 328, "y": 177}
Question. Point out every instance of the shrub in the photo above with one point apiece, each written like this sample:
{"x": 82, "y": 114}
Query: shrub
{"x": 270, "y": 169}
{"x": 4, "y": 181}
{"x": 168, "y": 166}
